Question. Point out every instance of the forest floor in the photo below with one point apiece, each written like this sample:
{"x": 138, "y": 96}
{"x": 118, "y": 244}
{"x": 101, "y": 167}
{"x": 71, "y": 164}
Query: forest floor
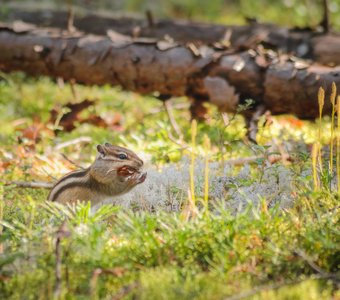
{"x": 267, "y": 226}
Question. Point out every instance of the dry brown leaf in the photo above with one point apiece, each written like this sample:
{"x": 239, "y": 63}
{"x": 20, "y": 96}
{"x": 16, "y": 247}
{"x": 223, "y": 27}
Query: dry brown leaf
{"x": 68, "y": 120}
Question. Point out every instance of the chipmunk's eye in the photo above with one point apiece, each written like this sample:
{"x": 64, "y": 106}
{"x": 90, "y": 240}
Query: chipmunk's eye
{"x": 122, "y": 156}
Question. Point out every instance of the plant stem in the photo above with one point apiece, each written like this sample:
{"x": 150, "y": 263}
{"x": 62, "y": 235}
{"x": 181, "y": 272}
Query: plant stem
{"x": 321, "y": 99}
{"x": 206, "y": 171}
{"x": 192, "y": 164}
{"x": 333, "y": 96}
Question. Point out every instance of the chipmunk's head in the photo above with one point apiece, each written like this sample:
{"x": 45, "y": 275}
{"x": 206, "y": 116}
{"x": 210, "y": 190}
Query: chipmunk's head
{"x": 119, "y": 167}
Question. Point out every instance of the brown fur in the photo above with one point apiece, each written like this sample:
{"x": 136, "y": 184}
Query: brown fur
{"x": 116, "y": 170}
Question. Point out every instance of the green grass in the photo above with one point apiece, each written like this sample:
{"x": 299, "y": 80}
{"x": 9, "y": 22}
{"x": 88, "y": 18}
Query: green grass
{"x": 269, "y": 252}
{"x": 163, "y": 257}
{"x": 302, "y": 13}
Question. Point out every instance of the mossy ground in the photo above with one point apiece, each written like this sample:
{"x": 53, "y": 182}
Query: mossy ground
{"x": 117, "y": 253}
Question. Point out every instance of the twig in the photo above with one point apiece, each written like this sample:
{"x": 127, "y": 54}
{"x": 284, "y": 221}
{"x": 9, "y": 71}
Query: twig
{"x": 243, "y": 160}
{"x": 161, "y": 108}
{"x": 225, "y": 119}
{"x": 273, "y": 286}
{"x": 60, "y": 83}
{"x": 60, "y": 234}
{"x": 313, "y": 265}
{"x": 124, "y": 291}
{"x": 70, "y": 18}
{"x": 231, "y": 162}
{"x": 58, "y": 276}
{"x": 48, "y": 174}
{"x": 325, "y": 23}
{"x": 73, "y": 89}
{"x": 71, "y": 161}
{"x": 150, "y": 18}
{"x": 180, "y": 142}
{"x": 283, "y": 155}
{"x": 31, "y": 184}
{"x": 113, "y": 272}
{"x": 174, "y": 125}
{"x": 93, "y": 282}
{"x": 82, "y": 139}
{"x": 252, "y": 123}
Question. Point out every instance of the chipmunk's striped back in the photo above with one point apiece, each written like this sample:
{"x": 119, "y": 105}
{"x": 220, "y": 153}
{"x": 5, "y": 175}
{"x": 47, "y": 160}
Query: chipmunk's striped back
{"x": 77, "y": 178}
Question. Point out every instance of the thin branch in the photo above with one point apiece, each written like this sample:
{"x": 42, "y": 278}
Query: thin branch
{"x": 225, "y": 118}
{"x": 48, "y": 174}
{"x": 60, "y": 234}
{"x": 252, "y": 123}
{"x": 150, "y": 18}
{"x": 179, "y": 142}
{"x": 157, "y": 110}
{"x": 71, "y": 161}
{"x": 243, "y": 160}
{"x": 73, "y": 89}
{"x": 58, "y": 277}
{"x": 312, "y": 264}
{"x": 82, "y": 139}
{"x": 112, "y": 272}
{"x": 232, "y": 162}
{"x": 31, "y": 184}
{"x": 93, "y": 282}
{"x": 70, "y": 18}
{"x": 174, "y": 125}
{"x": 60, "y": 83}
{"x": 273, "y": 286}
{"x": 325, "y": 23}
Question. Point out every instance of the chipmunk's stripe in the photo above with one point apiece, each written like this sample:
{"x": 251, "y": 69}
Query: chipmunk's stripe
{"x": 74, "y": 174}
{"x": 75, "y": 178}
{"x": 65, "y": 187}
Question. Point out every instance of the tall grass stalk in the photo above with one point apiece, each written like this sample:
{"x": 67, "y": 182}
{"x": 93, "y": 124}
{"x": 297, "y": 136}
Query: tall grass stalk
{"x": 333, "y": 96}
{"x": 207, "y": 146}
{"x": 192, "y": 163}
{"x": 315, "y": 152}
{"x": 321, "y": 100}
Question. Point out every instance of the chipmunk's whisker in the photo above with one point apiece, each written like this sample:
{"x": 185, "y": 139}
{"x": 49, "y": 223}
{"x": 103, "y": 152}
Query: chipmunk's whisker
{"x": 109, "y": 171}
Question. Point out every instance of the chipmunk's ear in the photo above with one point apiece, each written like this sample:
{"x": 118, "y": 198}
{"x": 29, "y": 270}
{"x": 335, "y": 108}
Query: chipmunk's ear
{"x": 108, "y": 144}
{"x": 101, "y": 150}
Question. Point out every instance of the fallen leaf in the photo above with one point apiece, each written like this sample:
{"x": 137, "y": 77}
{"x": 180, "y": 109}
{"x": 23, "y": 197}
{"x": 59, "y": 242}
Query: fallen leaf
{"x": 72, "y": 117}
{"x": 69, "y": 119}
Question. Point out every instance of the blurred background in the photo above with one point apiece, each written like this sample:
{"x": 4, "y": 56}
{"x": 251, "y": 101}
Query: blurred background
{"x": 300, "y": 13}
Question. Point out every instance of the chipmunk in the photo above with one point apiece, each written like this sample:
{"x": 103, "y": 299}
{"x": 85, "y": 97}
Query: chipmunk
{"x": 115, "y": 171}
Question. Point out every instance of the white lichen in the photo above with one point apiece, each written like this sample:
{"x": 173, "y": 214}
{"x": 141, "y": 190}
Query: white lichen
{"x": 167, "y": 189}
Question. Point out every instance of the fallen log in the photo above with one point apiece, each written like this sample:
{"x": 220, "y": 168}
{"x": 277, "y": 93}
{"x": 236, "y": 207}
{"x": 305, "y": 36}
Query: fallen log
{"x": 281, "y": 83}
{"x": 304, "y": 43}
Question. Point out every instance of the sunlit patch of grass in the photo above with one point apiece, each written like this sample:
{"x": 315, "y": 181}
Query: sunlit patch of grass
{"x": 209, "y": 253}
{"x": 163, "y": 255}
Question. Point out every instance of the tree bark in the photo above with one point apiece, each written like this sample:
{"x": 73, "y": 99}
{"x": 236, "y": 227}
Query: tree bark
{"x": 304, "y": 43}
{"x": 224, "y": 76}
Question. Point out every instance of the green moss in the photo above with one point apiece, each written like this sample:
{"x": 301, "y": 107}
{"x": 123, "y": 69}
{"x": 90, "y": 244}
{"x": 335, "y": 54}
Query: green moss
{"x": 158, "y": 255}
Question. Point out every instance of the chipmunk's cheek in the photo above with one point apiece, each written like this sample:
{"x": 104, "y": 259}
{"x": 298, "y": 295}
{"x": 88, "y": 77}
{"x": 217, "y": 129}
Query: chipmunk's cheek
{"x": 126, "y": 172}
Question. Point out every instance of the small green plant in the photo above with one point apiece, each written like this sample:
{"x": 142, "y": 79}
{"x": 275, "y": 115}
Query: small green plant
{"x": 322, "y": 173}
{"x": 209, "y": 250}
